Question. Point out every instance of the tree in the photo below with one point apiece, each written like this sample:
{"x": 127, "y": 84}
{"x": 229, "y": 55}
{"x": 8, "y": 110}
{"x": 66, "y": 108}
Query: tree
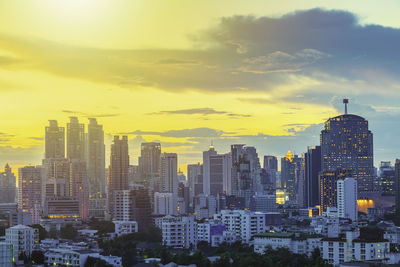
{"x": 37, "y": 257}
{"x": 42, "y": 231}
{"x": 68, "y": 232}
{"x": 96, "y": 262}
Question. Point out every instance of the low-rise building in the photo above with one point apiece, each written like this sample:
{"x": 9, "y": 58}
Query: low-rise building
{"x": 125, "y": 227}
{"x": 6, "y": 255}
{"x": 23, "y": 238}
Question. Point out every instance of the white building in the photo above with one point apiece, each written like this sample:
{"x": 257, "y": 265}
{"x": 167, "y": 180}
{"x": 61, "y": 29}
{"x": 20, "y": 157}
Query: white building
{"x": 243, "y": 223}
{"x": 125, "y": 227}
{"x": 296, "y": 242}
{"x": 122, "y": 205}
{"x": 165, "y": 204}
{"x": 76, "y": 258}
{"x": 23, "y": 238}
{"x": 179, "y": 232}
{"x": 208, "y": 229}
{"x": 347, "y": 198}
{"x": 352, "y": 248}
{"x": 6, "y": 255}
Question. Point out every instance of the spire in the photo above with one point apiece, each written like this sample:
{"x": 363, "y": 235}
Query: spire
{"x": 289, "y": 156}
{"x": 345, "y": 102}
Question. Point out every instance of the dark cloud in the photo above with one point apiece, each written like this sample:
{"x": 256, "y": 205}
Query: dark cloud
{"x": 201, "y": 111}
{"x": 196, "y": 132}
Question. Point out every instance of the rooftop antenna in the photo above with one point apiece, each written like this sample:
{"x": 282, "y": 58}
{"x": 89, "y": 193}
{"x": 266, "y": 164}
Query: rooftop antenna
{"x": 345, "y": 102}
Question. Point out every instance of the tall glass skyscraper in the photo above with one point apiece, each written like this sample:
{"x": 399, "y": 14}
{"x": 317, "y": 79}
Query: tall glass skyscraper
{"x": 347, "y": 143}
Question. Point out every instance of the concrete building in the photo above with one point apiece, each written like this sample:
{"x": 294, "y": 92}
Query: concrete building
{"x": 149, "y": 165}
{"x": 125, "y": 227}
{"x": 165, "y": 204}
{"x": 75, "y": 139}
{"x": 347, "y": 198}
{"x": 243, "y": 223}
{"x": 23, "y": 238}
{"x": 54, "y": 140}
{"x": 169, "y": 173}
{"x": 118, "y": 170}
{"x": 216, "y": 173}
{"x": 179, "y": 232}
{"x": 30, "y": 191}
{"x": 195, "y": 180}
{"x": 8, "y": 188}
{"x": 6, "y": 255}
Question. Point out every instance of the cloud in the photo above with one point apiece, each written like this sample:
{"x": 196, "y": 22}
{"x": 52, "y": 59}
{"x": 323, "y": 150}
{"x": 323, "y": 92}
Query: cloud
{"x": 201, "y": 111}
{"x": 90, "y": 115}
{"x": 196, "y": 132}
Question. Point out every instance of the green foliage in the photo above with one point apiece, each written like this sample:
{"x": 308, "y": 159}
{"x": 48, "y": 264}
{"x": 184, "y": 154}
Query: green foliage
{"x": 123, "y": 246}
{"x": 68, "y": 232}
{"x": 371, "y": 233}
{"x": 37, "y": 257}
{"x": 42, "y": 231}
{"x": 96, "y": 262}
{"x": 103, "y": 227}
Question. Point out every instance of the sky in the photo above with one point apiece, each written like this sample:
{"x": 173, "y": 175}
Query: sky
{"x": 188, "y": 73}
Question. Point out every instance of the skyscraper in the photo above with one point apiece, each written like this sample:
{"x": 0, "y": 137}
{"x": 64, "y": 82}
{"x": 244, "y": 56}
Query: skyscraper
{"x": 347, "y": 143}
{"x": 312, "y": 168}
{"x": 195, "y": 179}
{"x": 8, "y": 188}
{"x": 169, "y": 173}
{"x": 149, "y": 165}
{"x": 216, "y": 173}
{"x": 54, "y": 141}
{"x": 270, "y": 163}
{"x": 291, "y": 166}
{"x": 80, "y": 185}
{"x": 328, "y": 186}
{"x": 75, "y": 139}
{"x": 96, "y": 159}
{"x": 118, "y": 169}
{"x": 245, "y": 168}
{"x": 30, "y": 191}
{"x": 347, "y": 198}
{"x": 387, "y": 179}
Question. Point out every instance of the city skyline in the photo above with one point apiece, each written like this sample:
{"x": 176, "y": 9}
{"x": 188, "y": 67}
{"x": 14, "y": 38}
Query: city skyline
{"x": 274, "y": 95}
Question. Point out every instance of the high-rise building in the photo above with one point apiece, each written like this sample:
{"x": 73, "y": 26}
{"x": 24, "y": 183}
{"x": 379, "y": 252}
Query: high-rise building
{"x": 397, "y": 186}
{"x": 270, "y": 163}
{"x": 195, "y": 179}
{"x": 245, "y": 169}
{"x": 96, "y": 159}
{"x": 291, "y": 167}
{"x": 149, "y": 165}
{"x": 165, "y": 204}
{"x": 54, "y": 141}
{"x": 56, "y": 180}
{"x": 30, "y": 191}
{"x": 141, "y": 207}
{"x": 8, "y": 187}
{"x": 75, "y": 139}
{"x": 118, "y": 169}
{"x": 347, "y": 143}
{"x": 328, "y": 186}
{"x": 80, "y": 186}
{"x": 169, "y": 173}
{"x": 216, "y": 173}
{"x": 312, "y": 168}
{"x": 347, "y": 199}
{"x": 386, "y": 179}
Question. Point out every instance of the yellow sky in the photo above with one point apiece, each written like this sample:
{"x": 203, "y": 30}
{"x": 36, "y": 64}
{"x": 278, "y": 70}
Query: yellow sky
{"x": 69, "y": 57}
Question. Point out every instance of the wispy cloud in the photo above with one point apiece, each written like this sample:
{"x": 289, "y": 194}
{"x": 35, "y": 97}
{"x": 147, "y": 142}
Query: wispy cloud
{"x": 200, "y": 111}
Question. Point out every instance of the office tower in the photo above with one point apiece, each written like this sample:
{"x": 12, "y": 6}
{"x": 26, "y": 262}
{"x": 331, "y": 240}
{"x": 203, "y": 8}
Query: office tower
{"x": 347, "y": 198}
{"x": 245, "y": 168}
{"x": 30, "y": 191}
{"x": 386, "y": 179}
{"x": 141, "y": 207}
{"x": 149, "y": 165}
{"x": 75, "y": 139}
{"x": 291, "y": 166}
{"x": 271, "y": 166}
{"x": 397, "y": 186}
{"x": 169, "y": 173}
{"x": 270, "y": 163}
{"x": 8, "y": 186}
{"x": 216, "y": 173}
{"x": 96, "y": 159}
{"x": 165, "y": 204}
{"x": 80, "y": 186}
{"x": 56, "y": 182}
{"x": 54, "y": 141}
{"x": 328, "y": 186}
{"x": 312, "y": 168}
{"x": 118, "y": 169}
{"x": 347, "y": 143}
{"x": 195, "y": 179}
